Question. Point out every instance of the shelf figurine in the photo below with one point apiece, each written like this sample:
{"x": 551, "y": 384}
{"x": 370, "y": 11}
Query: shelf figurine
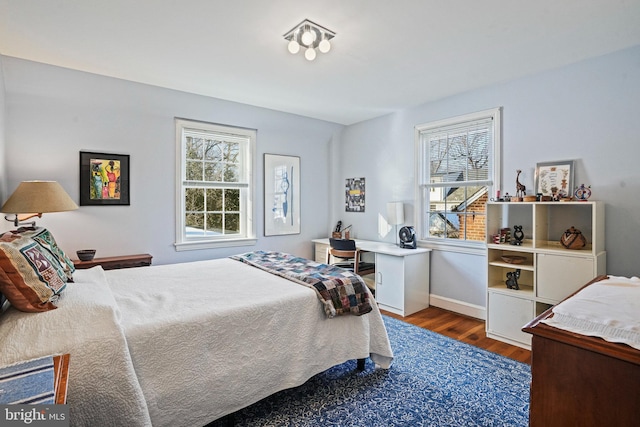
{"x": 583, "y": 193}
{"x": 512, "y": 279}
{"x": 518, "y": 235}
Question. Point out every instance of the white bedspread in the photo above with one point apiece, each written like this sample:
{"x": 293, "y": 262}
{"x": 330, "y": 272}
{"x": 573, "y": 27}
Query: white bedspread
{"x": 208, "y": 338}
{"x": 609, "y": 309}
{"x": 103, "y": 388}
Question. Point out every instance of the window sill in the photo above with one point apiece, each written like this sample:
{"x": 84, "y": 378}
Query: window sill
{"x": 474, "y": 248}
{"x": 209, "y": 244}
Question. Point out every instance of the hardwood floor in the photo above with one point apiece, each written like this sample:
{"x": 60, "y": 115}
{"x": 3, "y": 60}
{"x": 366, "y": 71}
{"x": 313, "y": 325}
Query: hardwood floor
{"x": 463, "y": 328}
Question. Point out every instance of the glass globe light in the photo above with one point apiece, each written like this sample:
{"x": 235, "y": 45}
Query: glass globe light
{"x": 310, "y": 54}
{"x": 324, "y": 46}
{"x": 308, "y": 37}
{"x": 293, "y": 46}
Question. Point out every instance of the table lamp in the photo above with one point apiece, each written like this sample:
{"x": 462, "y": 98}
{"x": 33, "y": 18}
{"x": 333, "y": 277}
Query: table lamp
{"x": 395, "y": 215}
{"x": 33, "y": 198}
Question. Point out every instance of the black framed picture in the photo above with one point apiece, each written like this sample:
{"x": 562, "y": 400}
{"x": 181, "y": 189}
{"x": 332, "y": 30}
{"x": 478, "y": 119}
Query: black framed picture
{"x": 104, "y": 179}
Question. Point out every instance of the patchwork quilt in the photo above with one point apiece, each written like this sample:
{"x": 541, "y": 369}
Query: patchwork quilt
{"x": 340, "y": 291}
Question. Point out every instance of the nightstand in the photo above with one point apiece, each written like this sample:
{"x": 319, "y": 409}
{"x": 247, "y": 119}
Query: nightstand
{"x": 115, "y": 262}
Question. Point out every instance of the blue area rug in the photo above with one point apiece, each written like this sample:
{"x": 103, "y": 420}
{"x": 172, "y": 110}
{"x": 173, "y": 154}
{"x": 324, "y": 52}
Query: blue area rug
{"x": 434, "y": 381}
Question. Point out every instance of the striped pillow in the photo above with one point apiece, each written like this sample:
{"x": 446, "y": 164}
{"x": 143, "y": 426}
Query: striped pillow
{"x": 30, "y": 276}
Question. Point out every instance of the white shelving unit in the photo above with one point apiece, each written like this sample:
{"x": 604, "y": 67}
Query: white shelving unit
{"x": 549, "y": 272}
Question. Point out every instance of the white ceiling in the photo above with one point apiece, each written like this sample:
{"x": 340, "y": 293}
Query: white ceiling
{"x": 387, "y": 55}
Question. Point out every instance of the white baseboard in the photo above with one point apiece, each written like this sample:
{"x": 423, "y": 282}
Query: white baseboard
{"x": 461, "y": 307}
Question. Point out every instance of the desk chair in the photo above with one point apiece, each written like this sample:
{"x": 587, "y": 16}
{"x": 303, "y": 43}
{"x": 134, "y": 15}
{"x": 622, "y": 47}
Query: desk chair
{"x": 346, "y": 255}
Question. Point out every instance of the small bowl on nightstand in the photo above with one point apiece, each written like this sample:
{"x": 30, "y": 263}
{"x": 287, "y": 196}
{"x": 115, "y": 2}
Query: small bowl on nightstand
{"x": 86, "y": 254}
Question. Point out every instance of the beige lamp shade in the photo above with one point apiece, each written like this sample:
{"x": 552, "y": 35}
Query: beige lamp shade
{"x": 395, "y": 213}
{"x": 38, "y": 197}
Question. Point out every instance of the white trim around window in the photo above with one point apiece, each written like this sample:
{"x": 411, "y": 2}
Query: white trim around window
{"x": 423, "y": 176}
{"x": 232, "y": 180}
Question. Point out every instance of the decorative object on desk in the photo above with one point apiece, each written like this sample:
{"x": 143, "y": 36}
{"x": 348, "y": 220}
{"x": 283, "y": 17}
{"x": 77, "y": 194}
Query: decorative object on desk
{"x": 582, "y": 193}
{"x": 518, "y": 235}
{"x": 86, "y": 254}
{"x": 513, "y": 259}
{"x": 530, "y": 199}
{"x": 337, "y": 232}
{"x": 555, "y": 175}
{"x": 408, "y": 237}
{"x": 512, "y": 279}
{"x": 507, "y": 197}
{"x": 354, "y": 195}
{"x": 572, "y": 238}
{"x": 395, "y": 215}
{"x": 347, "y": 232}
{"x": 104, "y": 179}
{"x": 520, "y": 188}
{"x": 281, "y": 195}
{"x": 33, "y": 198}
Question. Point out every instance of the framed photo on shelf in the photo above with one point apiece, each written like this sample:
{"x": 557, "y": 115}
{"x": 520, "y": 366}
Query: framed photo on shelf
{"x": 104, "y": 179}
{"x": 555, "y": 178}
{"x": 281, "y": 195}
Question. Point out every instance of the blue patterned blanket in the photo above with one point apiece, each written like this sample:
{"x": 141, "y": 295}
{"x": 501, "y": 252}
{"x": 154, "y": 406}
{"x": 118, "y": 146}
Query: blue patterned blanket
{"x": 341, "y": 291}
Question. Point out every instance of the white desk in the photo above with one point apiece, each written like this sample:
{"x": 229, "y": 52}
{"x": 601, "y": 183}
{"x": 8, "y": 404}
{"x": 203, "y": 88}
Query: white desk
{"x": 402, "y": 275}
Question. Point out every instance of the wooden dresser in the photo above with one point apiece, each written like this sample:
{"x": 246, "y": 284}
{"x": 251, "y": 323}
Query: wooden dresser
{"x": 580, "y": 380}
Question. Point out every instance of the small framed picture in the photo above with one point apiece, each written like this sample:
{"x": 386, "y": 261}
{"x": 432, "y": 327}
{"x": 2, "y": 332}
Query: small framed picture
{"x": 354, "y": 195}
{"x": 104, "y": 179}
{"x": 555, "y": 179}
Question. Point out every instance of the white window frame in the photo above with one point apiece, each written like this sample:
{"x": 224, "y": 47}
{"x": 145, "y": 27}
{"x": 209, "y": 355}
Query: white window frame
{"x": 247, "y": 235}
{"x": 422, "y": 174}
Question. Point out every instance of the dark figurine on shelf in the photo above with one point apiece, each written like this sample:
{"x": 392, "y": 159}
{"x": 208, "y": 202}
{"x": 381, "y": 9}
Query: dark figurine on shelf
{"x": 518, "y": 235}
{"x": 512, "y": 279}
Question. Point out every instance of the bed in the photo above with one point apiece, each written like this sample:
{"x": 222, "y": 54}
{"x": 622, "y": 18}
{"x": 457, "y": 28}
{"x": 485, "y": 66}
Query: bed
{"x": 185, "y": 344}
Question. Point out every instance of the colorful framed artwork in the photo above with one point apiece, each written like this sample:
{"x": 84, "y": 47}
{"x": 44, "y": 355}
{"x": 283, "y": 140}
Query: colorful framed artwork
{"x": 354, "y": 195}
{"x": 281, "y": 195}
{"x": 555, "y": 179}
{"x": 104, "y": 179}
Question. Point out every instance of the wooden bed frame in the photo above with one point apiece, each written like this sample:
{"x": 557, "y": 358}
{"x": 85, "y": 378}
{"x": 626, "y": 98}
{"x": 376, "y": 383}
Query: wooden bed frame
{"x": 581, "y": 380}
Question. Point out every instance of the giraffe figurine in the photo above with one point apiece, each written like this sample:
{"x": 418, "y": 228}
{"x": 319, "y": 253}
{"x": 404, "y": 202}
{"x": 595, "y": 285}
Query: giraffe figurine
{"x": 520, "y": 188}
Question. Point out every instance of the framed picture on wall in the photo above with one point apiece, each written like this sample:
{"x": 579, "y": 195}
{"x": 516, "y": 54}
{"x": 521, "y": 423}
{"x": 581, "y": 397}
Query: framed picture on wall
{"x": 104, "y": 179}
{"x": 354, "y": 195}
{"x": 555, "y": 178}
{"x": 281, "y": 195}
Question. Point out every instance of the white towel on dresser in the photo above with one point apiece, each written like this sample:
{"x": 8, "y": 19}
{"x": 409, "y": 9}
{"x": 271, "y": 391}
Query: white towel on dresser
{"x": 609, "y": 309}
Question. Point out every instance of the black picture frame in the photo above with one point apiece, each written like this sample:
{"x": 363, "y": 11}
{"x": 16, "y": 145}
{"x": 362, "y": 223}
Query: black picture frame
{"x": 104, "y": 179}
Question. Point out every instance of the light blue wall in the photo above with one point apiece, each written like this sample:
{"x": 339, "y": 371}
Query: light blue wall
{"x": 588, "y": 111}
{"x": 53, "y": 113}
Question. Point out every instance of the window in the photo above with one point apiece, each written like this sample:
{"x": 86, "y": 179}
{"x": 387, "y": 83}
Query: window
{"x": 215, "y": 185}
{"x": 458, "y": 166}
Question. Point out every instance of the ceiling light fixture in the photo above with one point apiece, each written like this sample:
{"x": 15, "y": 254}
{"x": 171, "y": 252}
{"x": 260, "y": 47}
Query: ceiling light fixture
{"x": 309, "y": 36}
